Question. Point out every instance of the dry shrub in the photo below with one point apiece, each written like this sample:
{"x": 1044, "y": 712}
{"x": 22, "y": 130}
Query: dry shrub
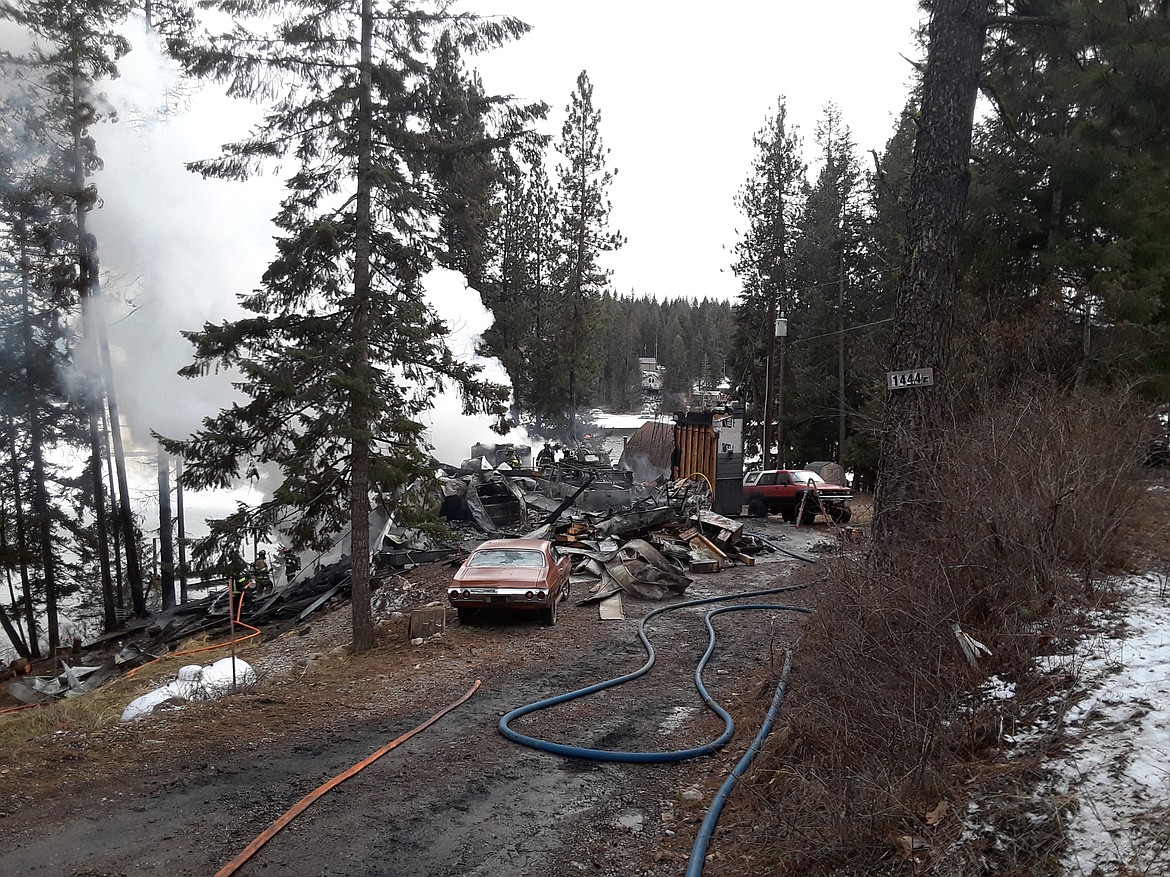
{"x": 881, "y": 711}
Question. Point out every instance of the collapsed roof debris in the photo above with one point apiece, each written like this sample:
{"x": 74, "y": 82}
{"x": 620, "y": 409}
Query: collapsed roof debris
{"x": 641, "y": 539}
{"x": 71, "y": 682}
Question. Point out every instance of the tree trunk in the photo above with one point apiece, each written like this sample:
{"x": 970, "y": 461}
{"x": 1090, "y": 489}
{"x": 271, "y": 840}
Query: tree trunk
{"x": 359, "y": 501}
{"x": 125, "y": 516}
{"x": 119, "y": 577}
{"x": 930, "y": 263}
{"x": 166, "y": 539}
{"x": 10, "y": 628}
{"x": 93, "y": 402}
{"x": 86, "y": 277}
{"x": 40, "y": 491}
{"x": 22, "y": 549}
{"x": 181, "y": 521}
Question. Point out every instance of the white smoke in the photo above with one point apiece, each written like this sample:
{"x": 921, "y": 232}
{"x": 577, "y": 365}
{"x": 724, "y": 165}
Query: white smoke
{"x": 176, "y": 250}
{"x": 449, "y": 430}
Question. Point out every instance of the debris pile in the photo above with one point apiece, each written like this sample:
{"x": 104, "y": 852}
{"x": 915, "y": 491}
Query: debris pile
{"x": 648, "y": 553}
{"x": 645, "y": 541}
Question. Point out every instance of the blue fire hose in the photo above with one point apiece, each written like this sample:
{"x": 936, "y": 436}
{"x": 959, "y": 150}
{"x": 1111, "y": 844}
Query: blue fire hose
{"x": 707, "y": 828}
{"x": 659, "y": 756}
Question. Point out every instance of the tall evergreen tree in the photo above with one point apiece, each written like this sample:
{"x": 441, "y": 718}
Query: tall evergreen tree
{"x": 927, "y": 285}
{"x": 341, "y": 354}
{"x": 1068, "y": 270}
{"x": 583, "y": 182}
{"x": 773, "y": 200}
{"x": 830, "y": 268}
{"x": 520, "y": 290}
{"x": 51, "y": 109}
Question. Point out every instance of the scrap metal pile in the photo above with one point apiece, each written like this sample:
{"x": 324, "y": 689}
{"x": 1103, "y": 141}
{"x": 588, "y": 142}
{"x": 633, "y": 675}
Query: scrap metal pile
{"x": 643, "y": 540}
{"x": 648, "y": 554}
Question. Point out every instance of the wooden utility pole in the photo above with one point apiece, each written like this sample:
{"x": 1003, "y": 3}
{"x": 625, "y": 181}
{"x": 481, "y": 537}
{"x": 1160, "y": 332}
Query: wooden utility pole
{"x": 841, "y": 340}
{"x": 928, "y": 284}
{"x": 770, "y": 382}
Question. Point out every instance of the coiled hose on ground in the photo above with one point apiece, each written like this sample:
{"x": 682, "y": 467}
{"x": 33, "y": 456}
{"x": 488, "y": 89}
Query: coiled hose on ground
{"x": 707, "y": 828}
{"x": 659, "y": 756}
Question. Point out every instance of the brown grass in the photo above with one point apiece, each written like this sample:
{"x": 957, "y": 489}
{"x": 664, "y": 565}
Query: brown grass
{"x": 883, "y": 722}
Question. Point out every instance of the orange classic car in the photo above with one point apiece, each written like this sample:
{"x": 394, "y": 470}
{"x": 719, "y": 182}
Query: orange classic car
{"x": 524, "y": 574}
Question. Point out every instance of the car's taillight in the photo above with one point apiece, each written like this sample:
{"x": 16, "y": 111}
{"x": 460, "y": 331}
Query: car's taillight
{"x": 466, "y": 593}
{"x": 541, "y": 595}
{"x": 528, "y": 596}
{"x": 453, "y": 593}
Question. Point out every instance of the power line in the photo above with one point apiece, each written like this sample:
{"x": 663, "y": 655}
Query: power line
{"x": 839, "y": 331}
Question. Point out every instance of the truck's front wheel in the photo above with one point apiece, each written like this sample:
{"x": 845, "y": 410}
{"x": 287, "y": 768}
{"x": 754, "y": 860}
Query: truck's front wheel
{"x": 757, "y": 508}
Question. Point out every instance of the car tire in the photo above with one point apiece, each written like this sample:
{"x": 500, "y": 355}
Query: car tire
{"x": 464, "y": 614}
{"x": 757, "y": 508}
{"x": 550, "y": 614}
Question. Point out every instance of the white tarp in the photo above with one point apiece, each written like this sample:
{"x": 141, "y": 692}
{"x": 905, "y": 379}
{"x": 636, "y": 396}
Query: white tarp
{"x": 193, "y": 683}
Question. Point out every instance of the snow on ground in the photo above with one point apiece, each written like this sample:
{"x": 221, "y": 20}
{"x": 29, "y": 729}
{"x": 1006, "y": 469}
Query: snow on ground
{"x": 1117, "y": 767}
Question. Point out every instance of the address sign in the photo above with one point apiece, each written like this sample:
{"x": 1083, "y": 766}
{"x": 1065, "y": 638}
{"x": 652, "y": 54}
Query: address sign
{"x": 915, "y": 377}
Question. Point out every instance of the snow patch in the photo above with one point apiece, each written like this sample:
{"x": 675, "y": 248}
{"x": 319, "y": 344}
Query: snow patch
{"x": 194, "y": 683}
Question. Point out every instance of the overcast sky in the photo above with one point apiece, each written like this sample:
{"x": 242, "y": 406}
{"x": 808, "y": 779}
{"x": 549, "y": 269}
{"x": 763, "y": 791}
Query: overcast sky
{"x": 682, "y": 88}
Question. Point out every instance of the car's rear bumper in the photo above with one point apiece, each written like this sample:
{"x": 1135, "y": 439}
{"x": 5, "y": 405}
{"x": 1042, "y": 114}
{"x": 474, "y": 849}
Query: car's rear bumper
{"x": 503, "y": 598}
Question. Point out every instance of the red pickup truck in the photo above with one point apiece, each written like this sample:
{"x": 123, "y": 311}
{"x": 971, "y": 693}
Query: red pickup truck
{"x": 780, "y": 491}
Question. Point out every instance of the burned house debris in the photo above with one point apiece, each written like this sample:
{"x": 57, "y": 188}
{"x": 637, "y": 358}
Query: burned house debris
{"x": 643, "y": 540}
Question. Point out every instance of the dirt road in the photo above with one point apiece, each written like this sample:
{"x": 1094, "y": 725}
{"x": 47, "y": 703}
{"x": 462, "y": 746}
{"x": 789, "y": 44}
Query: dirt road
{"x": 182, "y": 792}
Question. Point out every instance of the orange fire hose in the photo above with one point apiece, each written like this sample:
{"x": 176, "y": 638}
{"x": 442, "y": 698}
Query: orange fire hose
{"x": 305, "y": 802}
{"x": 25, "y": 706}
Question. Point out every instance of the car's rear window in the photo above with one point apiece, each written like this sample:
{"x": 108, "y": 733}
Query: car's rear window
{"x": 507, "y": 557}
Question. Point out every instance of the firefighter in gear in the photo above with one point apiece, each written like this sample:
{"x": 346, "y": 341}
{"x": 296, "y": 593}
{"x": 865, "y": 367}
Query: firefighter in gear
{"x": 292, "y": 564}
{"x": 263, "y": 574}
{"x": 546, "y": 456}
{"x": 240, "y": 584}
{"x": 242, "y": 587}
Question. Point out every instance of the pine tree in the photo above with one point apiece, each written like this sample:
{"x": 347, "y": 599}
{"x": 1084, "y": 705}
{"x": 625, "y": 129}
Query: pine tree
{"x": 927, "y": 286}
{"x": 1068, "y": 252}
{"x": 340, "y": 354}
{"x": 772, "y": 199}
{"x": 583, "y": 182}
{"x": 50, "y": 108}
{"x": 520, "y": 289}
{"x": 829, "y": 268}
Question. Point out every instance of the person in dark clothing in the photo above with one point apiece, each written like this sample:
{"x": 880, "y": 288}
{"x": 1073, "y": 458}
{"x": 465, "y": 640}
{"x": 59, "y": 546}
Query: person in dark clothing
{"x": 292, "y": 564}
{"x": 242, "y": 587}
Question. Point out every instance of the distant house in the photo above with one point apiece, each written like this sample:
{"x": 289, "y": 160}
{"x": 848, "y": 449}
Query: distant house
{"x": 711, "y": 397}
{"x": 651, "y": 375}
